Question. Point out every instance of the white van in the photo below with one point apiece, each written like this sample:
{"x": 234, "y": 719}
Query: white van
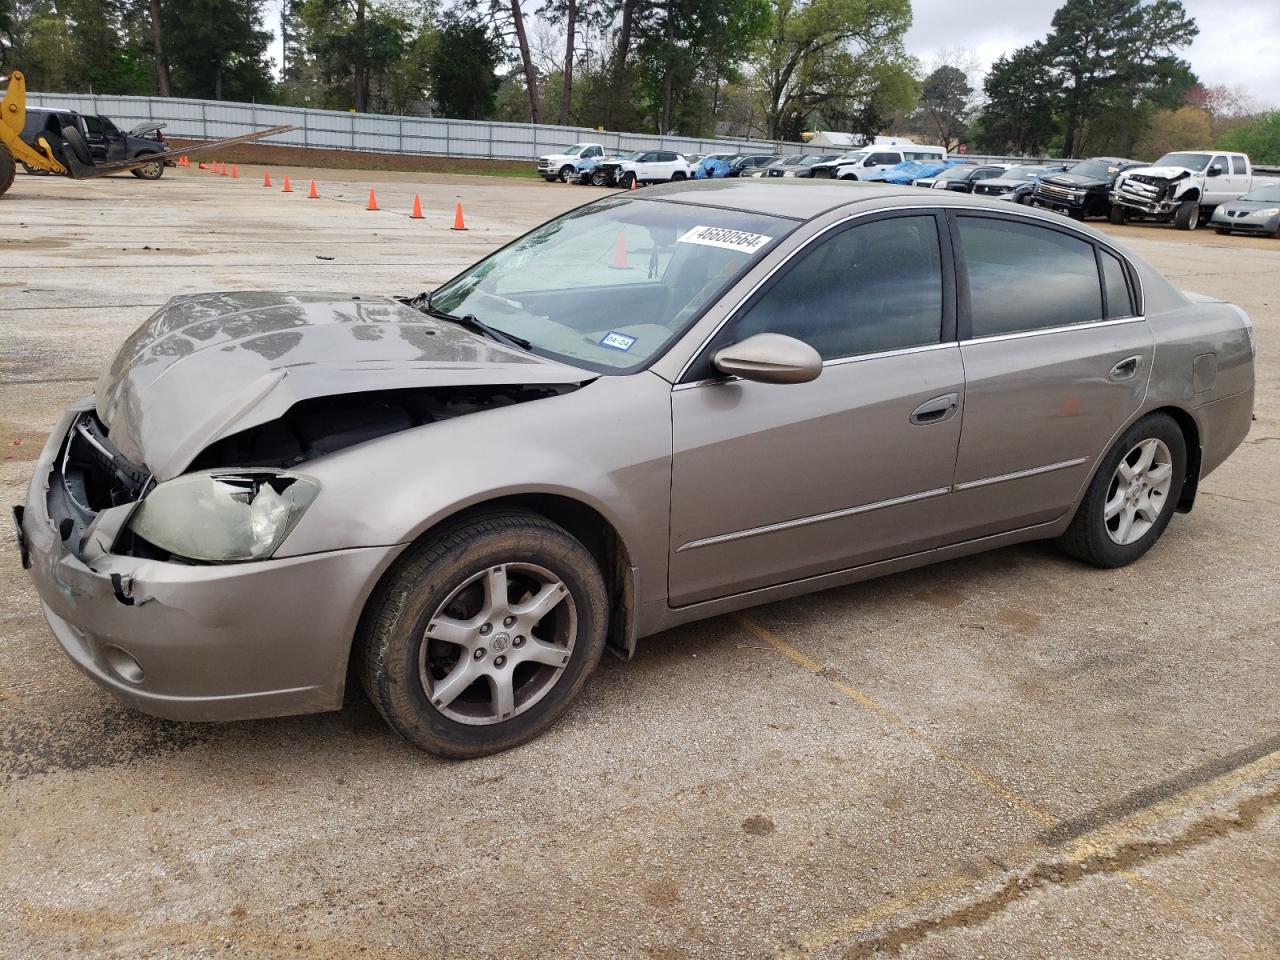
{"x": 881, "y": 157}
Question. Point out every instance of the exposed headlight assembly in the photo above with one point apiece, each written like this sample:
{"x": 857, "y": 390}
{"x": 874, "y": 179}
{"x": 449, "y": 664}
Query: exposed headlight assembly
{"x": 1269, "y": 212}
{"x": 221, "y": 516}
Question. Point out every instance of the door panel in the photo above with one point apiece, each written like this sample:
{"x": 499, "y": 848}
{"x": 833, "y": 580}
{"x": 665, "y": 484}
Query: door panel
{"x": 1047, "y": 382}
{"x": 835, "y": 469}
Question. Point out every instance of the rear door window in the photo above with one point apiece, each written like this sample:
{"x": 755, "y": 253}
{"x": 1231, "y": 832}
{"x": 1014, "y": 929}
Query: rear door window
{"x": 1025, "y": 277}
{"x": 1238, "y": 165}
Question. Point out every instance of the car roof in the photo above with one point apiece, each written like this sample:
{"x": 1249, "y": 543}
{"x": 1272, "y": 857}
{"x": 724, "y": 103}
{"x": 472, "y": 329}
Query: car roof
{"x": 804, "y": 199}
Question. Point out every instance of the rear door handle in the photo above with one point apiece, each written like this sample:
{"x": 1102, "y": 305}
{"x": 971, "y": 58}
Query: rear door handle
{"x": 1125, "y": 369}
{"x": 936, "y": 410}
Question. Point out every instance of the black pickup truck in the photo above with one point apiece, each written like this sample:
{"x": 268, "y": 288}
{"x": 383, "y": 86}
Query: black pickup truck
{"x": 1084, "y": 190}
{"x": 95, "y": 139}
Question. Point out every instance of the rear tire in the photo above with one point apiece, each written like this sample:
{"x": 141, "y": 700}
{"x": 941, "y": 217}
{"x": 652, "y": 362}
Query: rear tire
{"x": 442, "y": 692}
{"x": 1188, "y": 215}
{"x": 8, "y": 170}
{"x": 1121, "y": 518}
{"x": 152, "y": 171}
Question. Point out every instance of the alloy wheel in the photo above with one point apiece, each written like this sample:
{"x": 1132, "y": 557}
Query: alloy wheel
{"x": 498, "y": 644}
{"x": 1139, "y": 491}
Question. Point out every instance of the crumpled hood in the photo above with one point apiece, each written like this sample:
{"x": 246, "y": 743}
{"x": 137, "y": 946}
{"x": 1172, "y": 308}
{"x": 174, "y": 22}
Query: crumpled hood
{"x": 1164, "y": 173}
{"x": 1076, "y": 180}
{"x": 210, "y": 365}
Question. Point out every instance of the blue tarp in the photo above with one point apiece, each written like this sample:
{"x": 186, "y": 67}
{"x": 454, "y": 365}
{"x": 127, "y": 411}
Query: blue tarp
{"x": 910, "y": 170}
{"x": 709, "y": 168}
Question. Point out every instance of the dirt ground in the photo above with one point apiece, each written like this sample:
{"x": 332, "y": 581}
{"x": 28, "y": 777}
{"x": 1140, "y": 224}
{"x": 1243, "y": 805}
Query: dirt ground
{"x": 1006, "y": 756}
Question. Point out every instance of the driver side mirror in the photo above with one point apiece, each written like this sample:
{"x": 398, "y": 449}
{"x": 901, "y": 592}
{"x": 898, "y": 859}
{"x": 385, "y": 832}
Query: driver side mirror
{"x": 1215, "y": 170}
{"x": 769, "y": 358}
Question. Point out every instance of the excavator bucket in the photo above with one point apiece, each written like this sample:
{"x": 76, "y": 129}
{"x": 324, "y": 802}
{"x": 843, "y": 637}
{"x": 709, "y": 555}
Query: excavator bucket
{"x": 13, "y": 117}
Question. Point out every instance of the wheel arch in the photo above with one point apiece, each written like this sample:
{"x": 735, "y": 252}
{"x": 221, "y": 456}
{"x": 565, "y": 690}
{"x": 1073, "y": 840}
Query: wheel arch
{"x": 1191, "y": 435}
{"x": 582, "y": 521}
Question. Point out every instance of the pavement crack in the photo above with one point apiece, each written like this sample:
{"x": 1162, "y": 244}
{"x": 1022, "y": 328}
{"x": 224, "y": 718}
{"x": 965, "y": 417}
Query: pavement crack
{"x": 1065, "y": 872}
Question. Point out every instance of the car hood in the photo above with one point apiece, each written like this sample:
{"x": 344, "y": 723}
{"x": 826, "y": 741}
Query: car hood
{"x": 211, "y": 365}
{"x": 1250, "y": 206}
{"x": 1164, "y": 173}
{"x": 1074, "y": 180}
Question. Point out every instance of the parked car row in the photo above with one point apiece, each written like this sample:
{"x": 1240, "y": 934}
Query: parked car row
{"x": 1185, "y": 188}
{"x": 94, "y": 139}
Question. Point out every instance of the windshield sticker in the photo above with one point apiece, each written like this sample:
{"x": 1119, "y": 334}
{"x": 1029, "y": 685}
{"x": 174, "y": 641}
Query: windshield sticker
{"x": 617, "y": 341}
{"x": 725, "y": 238}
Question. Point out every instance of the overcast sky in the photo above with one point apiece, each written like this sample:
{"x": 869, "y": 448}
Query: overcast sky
{"x": 1237, "y": 45}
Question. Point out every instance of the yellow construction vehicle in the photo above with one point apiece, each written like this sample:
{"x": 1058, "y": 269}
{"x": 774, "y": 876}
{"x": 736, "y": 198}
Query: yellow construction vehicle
{"x": 65, "y": 152}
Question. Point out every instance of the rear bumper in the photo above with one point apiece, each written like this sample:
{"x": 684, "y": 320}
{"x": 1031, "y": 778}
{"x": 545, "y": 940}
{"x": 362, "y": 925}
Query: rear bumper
{"x": 201, "y": 642}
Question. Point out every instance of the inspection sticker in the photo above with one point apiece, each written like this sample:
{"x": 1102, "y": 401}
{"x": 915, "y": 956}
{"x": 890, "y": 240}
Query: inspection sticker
{"x": 617, "y": 341}
{"x": 726, "y": 238}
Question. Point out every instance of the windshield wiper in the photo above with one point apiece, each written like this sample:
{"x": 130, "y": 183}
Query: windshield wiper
{"x": 471, "y": 322}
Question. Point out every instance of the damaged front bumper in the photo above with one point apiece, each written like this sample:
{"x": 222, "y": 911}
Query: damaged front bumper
{"x": 195, "y": 641}
{"x": 1150, "y": 197}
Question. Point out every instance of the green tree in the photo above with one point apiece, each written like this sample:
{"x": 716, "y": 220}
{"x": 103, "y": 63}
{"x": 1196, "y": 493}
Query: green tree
{"x": 1118, "y": 57}
{"x": 1258, "y": 136}
{"x": 218, "y": 49}
{"x": 463, "y": 82}
{"x": 1022, "y": 104}
{"x": 813, "y": 47}
{"x": 945, "y": 99}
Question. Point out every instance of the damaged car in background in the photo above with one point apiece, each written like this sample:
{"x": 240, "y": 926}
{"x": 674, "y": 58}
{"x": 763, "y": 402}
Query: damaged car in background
{"x": 653, "y": 409}
{"x": 1184, "y": 188}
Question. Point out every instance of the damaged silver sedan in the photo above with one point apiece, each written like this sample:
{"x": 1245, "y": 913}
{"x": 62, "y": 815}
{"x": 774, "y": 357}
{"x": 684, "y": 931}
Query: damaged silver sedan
{"x": 653, "y": 409}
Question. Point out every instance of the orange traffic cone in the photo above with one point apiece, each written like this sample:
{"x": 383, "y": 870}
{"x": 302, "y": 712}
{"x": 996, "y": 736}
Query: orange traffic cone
{"x": 417, "y": 208}
{"x": 635, "y": 184}
{"x": 222, "y": 169}
{"x": 458, "y": 223}
{"x": 287, "y": 188}
{"x": 182, "y": 161}
{"x": 373, "y": 200}
{"x": 313, "y": 194}
{"x": 203, "y": 166}
{"x": 266, "y": 177}
{"x": 620, "y": 253}
{"x": 235, "y": 172}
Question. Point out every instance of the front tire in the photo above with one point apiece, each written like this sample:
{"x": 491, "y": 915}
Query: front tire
{"x": 1117, "y": 215}
{"x": 1133, "y": 495}
{"x": 8, "y": 170}
{"x": 565, "y": 173}
{"x": 483, "y": 634}
{"x": 1188, "y": 215}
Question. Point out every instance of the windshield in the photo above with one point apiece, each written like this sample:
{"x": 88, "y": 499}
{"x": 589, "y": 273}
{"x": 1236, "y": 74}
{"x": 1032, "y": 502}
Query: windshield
{"x": 1096, "y": 169}
{"x": 608, "y": 286}
{"x": 1022, "y": 173}
{"x": 574, "y": 149}
{"x": 956, "y": 173}
{"x": 1263, "y": 195}
{"x": 1192, "y": 161}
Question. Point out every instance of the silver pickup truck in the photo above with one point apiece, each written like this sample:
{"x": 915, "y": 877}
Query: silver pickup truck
{"x": 1184, "y": 187}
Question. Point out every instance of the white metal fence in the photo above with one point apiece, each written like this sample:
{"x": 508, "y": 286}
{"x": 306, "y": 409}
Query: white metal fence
{"x": 376, "y": 133}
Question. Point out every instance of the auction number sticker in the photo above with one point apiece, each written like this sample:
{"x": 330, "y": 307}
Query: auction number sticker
{"x": 724, "y": 237}
{"x": 617, "y": 341}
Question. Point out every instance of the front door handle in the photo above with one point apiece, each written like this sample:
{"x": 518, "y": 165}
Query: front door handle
{"x": 936, "y": 410}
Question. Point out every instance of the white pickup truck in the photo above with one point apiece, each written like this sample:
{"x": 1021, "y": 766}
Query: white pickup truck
{"x": 1184, "y": 187}
{"x": 562, "y": 166}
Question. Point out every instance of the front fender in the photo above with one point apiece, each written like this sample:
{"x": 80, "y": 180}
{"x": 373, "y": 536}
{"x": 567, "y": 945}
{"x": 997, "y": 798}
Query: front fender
{"x": 606, "y": 445}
